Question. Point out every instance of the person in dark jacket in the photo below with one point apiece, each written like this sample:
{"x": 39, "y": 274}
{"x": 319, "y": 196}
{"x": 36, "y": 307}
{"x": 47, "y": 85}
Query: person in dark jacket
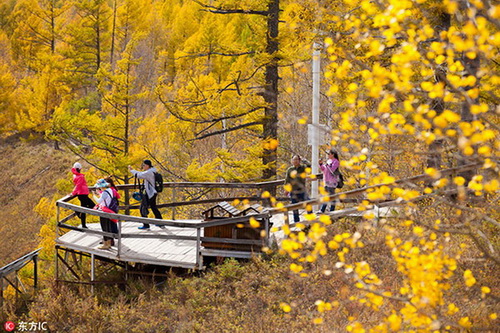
{"x": 296, "y": 180}
{"x": 81, "y": 190}
{"x": 150, "y": 195}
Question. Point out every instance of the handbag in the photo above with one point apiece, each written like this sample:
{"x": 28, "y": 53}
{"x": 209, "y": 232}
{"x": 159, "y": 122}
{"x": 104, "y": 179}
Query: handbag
{"x": 340, "y": 184}
{"x": 137, "y": 195}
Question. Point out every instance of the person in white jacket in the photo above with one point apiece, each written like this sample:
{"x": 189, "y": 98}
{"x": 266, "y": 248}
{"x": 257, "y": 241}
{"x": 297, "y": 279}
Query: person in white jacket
{"x": 149, "y": 197}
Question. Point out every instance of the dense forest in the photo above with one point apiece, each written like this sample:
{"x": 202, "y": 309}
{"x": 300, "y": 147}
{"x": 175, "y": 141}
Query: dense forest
{"x": 221, "y": 91}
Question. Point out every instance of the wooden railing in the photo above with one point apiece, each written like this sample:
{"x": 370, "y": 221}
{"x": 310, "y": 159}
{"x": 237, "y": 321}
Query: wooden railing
{"x": 342, "y": 197}
{"x": 63, "y": 203}
{"x": 14, "y": 267}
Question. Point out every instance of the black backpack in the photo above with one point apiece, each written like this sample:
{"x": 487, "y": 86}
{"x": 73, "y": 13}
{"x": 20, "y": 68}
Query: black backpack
{"x": 340, "y": 184}
{"x": 158, "y": 182}
{"x": 113, "y": 205}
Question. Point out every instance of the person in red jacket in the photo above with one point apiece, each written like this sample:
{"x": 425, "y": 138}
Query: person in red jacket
{"x": 81, "y": 190}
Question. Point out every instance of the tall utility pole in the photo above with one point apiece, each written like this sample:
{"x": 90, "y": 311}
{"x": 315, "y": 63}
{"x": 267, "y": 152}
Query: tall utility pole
{"x": 314, "y": 131}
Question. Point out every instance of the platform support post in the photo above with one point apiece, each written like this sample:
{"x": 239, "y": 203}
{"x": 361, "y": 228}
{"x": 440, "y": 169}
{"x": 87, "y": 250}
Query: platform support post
{"x": 266, "y": 226}
{"x": 92, "y": 272}
{"x": 57, "y": 265}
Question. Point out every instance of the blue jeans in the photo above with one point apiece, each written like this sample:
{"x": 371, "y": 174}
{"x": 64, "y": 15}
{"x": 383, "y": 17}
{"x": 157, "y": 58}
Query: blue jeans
{"x": 298, "y": 197}
{"x": 331, "y": 191}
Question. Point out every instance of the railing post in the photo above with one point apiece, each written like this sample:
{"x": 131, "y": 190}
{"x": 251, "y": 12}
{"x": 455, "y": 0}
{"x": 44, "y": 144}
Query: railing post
{"x": 16, "y": 287}
{"x": 199, "y": 259}
{"x": 174, "y": 198}
{"x": 119, "y": 222}
{"x": 35, "y": 271}
{"x": 1, "y": 293}
{"x": 58, "y": 212}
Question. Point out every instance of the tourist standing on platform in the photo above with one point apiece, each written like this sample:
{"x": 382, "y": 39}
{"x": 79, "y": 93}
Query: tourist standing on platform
{"x": 107, "y": 204}
{"x": 296, "y": 179}
{"x": 330, "y": 177}
{"x": 148, "y": 198}
{"x": 81, "y": 190}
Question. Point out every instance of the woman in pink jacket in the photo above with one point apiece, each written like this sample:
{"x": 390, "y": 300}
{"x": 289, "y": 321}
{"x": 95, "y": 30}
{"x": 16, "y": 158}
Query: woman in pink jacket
{"x": 330, "y": 178}
{"x": 81, "y": 190}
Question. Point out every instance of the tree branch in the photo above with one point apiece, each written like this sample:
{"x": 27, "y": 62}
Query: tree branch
{"x": 204, "y": 121}
{"x": 199, "y": 55}
{"x": 218, "y": 10}
{"x": 227, "y": 130}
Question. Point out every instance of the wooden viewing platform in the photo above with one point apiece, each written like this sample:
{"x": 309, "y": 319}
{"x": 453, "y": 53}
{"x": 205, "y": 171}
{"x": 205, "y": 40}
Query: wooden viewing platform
{"x": 186, "y": 243}
{"x": 155, "y": 250}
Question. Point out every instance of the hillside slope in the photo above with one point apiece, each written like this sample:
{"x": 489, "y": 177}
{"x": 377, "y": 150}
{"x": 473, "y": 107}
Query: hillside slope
{"x": 29, "y": 172}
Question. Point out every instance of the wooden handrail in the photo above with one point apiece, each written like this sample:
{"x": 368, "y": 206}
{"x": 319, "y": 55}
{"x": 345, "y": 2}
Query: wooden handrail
{"x": 123, "y": 217}
{"x": 421, "y": 177}
{"x": 18, "y": 263}
{"x": 165, "y": 222}
{"x": 173, "y": 223}
{"x": 259, "y": 185}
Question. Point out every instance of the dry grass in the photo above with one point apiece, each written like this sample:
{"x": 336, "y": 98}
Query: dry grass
{"x": 29, "y": 172}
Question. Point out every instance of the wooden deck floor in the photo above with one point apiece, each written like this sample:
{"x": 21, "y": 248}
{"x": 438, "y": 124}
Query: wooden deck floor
{"x": 164, "y": 252}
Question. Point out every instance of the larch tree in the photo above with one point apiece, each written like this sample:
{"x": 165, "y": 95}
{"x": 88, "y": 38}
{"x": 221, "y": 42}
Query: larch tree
{"x": 36, "y": 33}
{"x": 8, "y": 103}
{"x": 87, "y": 43}
{"x": 249, "y": 84}
{"x": 38, "y": 27}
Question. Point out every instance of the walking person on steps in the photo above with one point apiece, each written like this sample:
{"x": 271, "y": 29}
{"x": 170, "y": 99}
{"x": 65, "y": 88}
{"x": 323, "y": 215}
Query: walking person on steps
{"x": 150, "y": 195}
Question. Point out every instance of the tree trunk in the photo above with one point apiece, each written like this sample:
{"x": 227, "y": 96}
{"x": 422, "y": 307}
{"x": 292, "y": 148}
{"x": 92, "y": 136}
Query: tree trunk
{"x": 270, "y": 95}
{"x": 471, "y": 67}
{"x": 434, "y": 160}
{"x": 113, "y": 32}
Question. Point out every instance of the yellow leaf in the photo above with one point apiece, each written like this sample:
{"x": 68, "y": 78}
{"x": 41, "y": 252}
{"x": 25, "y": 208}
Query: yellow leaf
{"x": 254, "y": 223}
{"x": 285, "y": 307}
{"x": 465, "y": 322}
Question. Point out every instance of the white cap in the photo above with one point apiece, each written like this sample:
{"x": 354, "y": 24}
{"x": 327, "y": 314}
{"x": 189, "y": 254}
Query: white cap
{"x": 77, "y": 165}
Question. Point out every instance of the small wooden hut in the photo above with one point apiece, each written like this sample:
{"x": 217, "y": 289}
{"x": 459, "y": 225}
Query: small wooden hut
{"x": 238, "y": 230}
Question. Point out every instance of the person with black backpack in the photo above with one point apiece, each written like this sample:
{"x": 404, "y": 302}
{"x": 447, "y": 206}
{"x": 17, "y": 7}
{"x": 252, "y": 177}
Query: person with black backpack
{"x": 108, "y": 203}
{"x": 149, "y": 190}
